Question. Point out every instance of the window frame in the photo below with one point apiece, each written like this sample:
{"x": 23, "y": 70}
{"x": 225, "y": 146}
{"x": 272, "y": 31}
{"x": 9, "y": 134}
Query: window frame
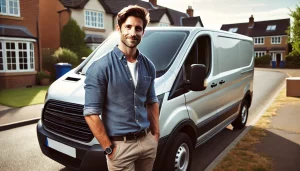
{"x": 271, "y": 28}
{"x": 233, "y": 29}
{"x": 96, "y": 19}
{"x": 30, "y": 56}
{"x": 257, "y": 42}
{"x": 276, "y": 42}
{"x": 259, "y": 54}
{"x": 8, "y": 6}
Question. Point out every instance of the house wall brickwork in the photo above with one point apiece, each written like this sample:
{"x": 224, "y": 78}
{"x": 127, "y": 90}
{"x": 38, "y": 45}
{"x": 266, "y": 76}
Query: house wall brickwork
{"x": 49, "y": 23}
{"x": 29, "y": 10}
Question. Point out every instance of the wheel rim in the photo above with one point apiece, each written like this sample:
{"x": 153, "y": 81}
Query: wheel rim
{"x": 244, "y": 114}
{"x": 182, "y": 157}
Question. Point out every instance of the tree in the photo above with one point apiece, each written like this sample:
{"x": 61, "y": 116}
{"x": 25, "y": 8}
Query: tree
{"x": 294, "y": 32}
{"x": 72, "y": 37}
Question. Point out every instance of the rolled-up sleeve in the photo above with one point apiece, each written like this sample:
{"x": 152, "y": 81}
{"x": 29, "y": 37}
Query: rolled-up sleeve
{"x": 151, "y": 95}
{"x": 95, "y": 90}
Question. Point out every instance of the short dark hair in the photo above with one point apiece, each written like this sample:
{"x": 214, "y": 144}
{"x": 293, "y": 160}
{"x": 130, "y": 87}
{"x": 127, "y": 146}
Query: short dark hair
{"x": 135, "y": 11}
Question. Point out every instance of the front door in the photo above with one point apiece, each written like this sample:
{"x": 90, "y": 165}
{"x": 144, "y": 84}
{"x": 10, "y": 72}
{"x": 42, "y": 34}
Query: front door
{"x": 278, "y": 59}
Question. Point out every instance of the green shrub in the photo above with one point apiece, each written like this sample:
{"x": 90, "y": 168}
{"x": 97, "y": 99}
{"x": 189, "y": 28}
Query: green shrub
{"x": 292, "y": 61}
{"x": 49, "y": 61}
{"x": 42, "y": 74}
{"x": 72, "y": 37}
{"x": 84, "y": 52}
{"x": 263, "y": 59}
{"x": 66, "y": 56}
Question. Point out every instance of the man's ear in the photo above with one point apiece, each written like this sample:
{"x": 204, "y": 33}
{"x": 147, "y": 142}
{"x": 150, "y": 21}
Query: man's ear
{"x": 118, "y": 28}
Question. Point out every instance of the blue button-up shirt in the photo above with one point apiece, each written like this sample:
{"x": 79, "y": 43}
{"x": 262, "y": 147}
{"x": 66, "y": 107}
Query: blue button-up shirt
{"x": 110, "y": 92}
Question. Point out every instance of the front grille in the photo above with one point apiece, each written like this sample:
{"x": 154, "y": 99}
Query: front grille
{"x": 66, "y": 119}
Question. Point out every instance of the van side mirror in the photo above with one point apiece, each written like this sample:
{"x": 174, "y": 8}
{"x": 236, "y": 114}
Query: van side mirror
{"x": 198, "y": 77}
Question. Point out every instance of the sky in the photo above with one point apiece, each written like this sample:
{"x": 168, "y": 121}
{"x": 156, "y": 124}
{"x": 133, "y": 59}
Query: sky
{"x": 214, "y": 13}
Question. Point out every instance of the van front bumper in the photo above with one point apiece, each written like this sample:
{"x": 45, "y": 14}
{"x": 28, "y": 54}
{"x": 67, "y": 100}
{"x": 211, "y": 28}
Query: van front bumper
{"x": 87, "y": 157}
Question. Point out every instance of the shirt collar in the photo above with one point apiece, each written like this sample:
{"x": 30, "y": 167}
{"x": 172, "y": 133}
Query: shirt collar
{"x": 121, "y": 55}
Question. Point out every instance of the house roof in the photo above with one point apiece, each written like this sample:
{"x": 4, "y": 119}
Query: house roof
{"x": 77, "y": 4}
{"x": 15, "y": 31}
{"x": 156, "y": 14}
{"x": 191, "y": 21}
{"x": 260, "y": 28}
{"x": 92, "y": 38}
{"x": 114, "y": 6}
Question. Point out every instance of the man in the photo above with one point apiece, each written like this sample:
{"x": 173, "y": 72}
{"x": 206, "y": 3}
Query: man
{"x": 120, "y": 88}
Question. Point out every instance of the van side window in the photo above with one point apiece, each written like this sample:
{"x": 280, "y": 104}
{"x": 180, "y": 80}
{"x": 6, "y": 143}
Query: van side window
{"x": 200, "y": 53}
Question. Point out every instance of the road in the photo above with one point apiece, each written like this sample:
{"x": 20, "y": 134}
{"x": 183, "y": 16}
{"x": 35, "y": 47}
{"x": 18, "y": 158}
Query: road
{"x": 20, "y": 150}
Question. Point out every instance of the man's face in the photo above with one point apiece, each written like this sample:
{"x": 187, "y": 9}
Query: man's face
{"x": 131, "y": 31}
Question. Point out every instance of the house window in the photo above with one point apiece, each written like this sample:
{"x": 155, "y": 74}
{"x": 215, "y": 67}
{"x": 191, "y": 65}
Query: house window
{"x": 271, "y": 28}
{"x": 259, "y": 53}
{"x": 10, "y": 7}
{"x": 234, "y": 30}
{"x": 276, "y": 40}
{"x": 16, "y": 56}
{"x": 94, "y": 19}
{"x": 164, "y": 25}
{"x": 259, "y": 40}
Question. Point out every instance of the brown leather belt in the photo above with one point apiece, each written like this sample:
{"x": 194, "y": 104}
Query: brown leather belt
{"x": 131, "y": 136}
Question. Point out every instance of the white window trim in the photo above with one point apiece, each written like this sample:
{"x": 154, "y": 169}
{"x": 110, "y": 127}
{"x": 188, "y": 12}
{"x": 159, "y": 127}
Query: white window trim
{"x": 275, "y": 43}
{"x": 5, "y": 70}
{"x": 90, "y": 21}
{"x": 270, "y": 28}
{"x": 257, "y": 52}
{"x": 263, "y": 38}
{"x": 164, "y": 24}
{"x": 7, "y": 10}
{"x": 233, "y": 29}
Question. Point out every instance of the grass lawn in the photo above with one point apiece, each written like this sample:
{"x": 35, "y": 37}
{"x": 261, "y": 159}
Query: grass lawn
{"x": 20, "y": 97}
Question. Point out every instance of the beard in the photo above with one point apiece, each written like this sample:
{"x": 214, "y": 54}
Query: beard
{"x": 130, "y": 41}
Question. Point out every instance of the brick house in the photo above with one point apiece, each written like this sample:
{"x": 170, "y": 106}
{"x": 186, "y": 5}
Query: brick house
{"x": 98, "y": 17}
{"x": 19, "y": 43}
{"x": 269, "y": 37}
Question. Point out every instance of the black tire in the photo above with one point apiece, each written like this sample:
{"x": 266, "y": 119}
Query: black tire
{"x": 179, "y": 155}
{"x": 241, "y": 120}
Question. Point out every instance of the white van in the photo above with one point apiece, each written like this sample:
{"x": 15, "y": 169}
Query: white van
{"x": 204, "y": 83}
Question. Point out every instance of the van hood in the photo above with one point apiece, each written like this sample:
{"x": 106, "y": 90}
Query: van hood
{"x": 70, "y": 87}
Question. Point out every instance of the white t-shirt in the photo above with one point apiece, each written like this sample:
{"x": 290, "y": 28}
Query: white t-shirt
{"x": 133, "y": 70}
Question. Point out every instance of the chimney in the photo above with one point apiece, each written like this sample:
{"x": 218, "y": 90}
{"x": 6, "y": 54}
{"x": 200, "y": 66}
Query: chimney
{"x": 190, "y": 11}
{"x": 153, "y": 2}
{"x": 251, "y": 22}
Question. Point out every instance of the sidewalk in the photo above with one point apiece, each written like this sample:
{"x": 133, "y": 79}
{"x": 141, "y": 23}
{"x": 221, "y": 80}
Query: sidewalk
{"x": 282, "y": 142}
{"x": 15, "y": 117}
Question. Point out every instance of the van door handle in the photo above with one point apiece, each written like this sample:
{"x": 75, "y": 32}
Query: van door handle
{"x": 222, "y": 81}
{"x": 213, "y": 85}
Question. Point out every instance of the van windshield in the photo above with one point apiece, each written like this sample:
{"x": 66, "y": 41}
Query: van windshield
{"x": 159, "y": 46}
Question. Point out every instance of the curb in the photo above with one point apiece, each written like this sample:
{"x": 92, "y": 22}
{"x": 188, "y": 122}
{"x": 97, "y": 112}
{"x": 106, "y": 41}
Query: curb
{"x": 224, "y": 153}
{"x": 18, "y": 124}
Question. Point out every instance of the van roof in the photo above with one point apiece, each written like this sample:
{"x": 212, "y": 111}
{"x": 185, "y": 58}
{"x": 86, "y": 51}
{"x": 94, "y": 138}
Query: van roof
{"x": 196, "y": 29}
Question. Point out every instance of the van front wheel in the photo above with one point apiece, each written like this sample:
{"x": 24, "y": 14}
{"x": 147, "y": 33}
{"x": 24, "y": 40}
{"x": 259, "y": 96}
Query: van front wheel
{"x": 241, "y": 121}
{"x": 179, "y": 156}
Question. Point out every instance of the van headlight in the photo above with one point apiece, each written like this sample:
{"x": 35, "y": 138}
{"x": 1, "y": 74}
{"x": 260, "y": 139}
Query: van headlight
{"x": 160, "y": 100}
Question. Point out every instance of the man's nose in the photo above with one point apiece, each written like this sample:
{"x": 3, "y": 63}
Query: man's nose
{"x": 133, "y": 31}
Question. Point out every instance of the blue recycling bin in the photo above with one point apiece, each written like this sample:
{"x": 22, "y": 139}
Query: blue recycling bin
{"x": 282, "y": 64}
{"x": 274, "y": 64}
{"x": 61, "y": 69}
